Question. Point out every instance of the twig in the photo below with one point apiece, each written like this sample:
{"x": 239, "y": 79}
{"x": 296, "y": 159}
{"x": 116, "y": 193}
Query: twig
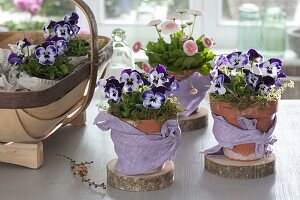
{"x": 80, "y": 169}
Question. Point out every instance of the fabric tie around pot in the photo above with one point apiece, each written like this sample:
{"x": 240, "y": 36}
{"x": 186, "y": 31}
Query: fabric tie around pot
{"x": 138, "y": 152}
{"x": 228, "y": 136}
{"x": 188, "y": 101}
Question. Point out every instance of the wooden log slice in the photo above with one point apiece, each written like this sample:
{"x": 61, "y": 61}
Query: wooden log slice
{"x": 196, "y": 120}
{"x": 222, "y": 166}
{"x": 143, "y": 182}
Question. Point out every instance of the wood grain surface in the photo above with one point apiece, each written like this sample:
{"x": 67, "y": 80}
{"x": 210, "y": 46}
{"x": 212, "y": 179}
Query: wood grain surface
{"x": 54, "y": 180}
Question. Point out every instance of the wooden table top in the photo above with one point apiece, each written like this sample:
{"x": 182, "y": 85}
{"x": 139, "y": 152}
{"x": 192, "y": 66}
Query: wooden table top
{"x": 54, "y": 180}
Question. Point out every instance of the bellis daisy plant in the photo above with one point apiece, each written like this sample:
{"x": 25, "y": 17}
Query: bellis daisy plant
{"x": 176, "y": 47}
{"x": 139, "y": 96}
{"x": 245, "y": 79}
{"x": 50, "y": 60}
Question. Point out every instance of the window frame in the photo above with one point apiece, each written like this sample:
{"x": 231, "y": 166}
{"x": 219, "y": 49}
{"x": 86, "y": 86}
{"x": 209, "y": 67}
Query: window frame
{"x": 212, "y": 24}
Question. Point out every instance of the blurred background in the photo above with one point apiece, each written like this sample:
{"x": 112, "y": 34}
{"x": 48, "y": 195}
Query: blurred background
{"x": 272, "y": 26}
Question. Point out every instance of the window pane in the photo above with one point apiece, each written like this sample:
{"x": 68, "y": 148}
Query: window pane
{"x": 131, "y": 11}
{"x": 31, "y": 15}
{"x": 291, "y": 7}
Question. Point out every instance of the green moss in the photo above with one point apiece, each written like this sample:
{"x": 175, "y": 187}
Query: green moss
{"x": 131, "y": 107}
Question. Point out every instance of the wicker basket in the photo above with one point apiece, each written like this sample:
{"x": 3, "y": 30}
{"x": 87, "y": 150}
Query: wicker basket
{"x": 35, "y": 115}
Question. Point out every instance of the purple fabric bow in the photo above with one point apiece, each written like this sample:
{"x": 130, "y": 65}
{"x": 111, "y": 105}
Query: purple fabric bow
{"x": 228, "y": 135}
{"x": 138, "y": 152}
{"x": 188, "y": 101}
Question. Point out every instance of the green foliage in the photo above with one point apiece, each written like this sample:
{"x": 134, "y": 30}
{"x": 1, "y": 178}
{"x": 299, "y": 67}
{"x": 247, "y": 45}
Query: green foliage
{"x": 58, "y": 70}
{"x": 78, "y": 47}
{"x": 172, "y": 56}
{"x": 131, "y": 107}
{"x": 24, "y": 25}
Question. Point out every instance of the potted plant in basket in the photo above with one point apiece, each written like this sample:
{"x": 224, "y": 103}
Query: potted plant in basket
{"x": 183, "y": 55}
{"x": 244, "y": 99}
{"x": 43, "y": 65}
{"x": 142, "y": 115}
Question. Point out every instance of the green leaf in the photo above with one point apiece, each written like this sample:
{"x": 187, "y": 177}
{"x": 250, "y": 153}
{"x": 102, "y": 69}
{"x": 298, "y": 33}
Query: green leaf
{"x": 204, "y": 69}
{"x": 199, "y": 40}
{"x": 188, "y": 62}
{"x": 154, "y": 59}
{"x": 177, "y": 53}
{"x": 64, "y": 69}
{"x": 179, "y": 62}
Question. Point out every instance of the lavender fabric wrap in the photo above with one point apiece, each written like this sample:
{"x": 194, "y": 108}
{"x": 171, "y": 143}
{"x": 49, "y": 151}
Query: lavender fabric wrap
{"x": 191, "y": 102}
{"x": 228, "y": 135}
{"x": 138, "y": 152}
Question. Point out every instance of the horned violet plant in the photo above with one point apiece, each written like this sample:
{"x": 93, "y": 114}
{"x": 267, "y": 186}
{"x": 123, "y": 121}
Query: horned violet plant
{"x": 138, "y": 96}
{"x": 246, "y": 79}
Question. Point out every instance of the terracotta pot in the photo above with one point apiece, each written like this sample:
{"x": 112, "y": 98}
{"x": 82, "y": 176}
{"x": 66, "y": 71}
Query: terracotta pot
{"x": 264, "y": 119}
{"x": 182, "y": 75}
{"x": 150, "y": 126}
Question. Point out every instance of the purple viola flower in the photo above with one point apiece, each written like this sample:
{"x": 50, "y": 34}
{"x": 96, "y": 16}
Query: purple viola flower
{"x": 277, "y": 79}
{"x": 158, "y": 76}
{"x": 113, "y": 90}
{"x": 254, "y": 56}
{"x": 221, "y": 61}
{"x": 217, "y": 85}
{"x": 46, "y": 53}
{"x": 73, "y": 19}
{"x": 132, "y": 80}
{"x": 237, "y": 60}
{"x": 171, "y": 86}
{"x": 264, "y": 89}
{"x": 270, "y": 67}
{"x": 102, "y": 82}
{"x": 49, "y": 29}
{"x": 63, "y": 30}
{"x": 60, "y": 44}
{"x": 22, "y": 47}
{"x": 253, "y": 80}
{"x": 74, "y": 31}
{"x": 154, "y": 98}
{"x": 15, "y": 59}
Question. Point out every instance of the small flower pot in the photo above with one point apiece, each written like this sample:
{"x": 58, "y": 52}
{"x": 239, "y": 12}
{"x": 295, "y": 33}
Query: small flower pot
{"x": 150, "y": 127}
{"x": 34, "y": 83}
{"x": 264, "y": 116}
{"x": 77, "y": 60}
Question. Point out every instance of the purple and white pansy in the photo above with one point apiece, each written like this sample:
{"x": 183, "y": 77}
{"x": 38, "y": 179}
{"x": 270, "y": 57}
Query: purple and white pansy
{"x": 154, "y": 98}
{"x": 158, "y": 76}
{"x": 237, "y": 60}
{"x": 60, "y": 44}
{"x": 252, "y": 80}
{"x": 132, "y": 80}
{"x": 270, "y": 67}
{"x": 112, "y": 89}
{"x": 171, "y": 86}
{"x": 254, "y": 56}
{"x": 155, "y": 89}
{"x": 63, "y": 30}
{"x": 46, "y": 53}
{"x": 243, "y": 65}
{"x": 217, "y": 86}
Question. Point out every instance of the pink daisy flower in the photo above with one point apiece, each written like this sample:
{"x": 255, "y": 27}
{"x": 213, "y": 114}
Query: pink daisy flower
{"x": 155, "y": 22}
{"x": 190, "y": 47}
{"x": 184, "y": 38}
{"x": 169, "y": 27}
{"x": 195, "y": 12}
{"x": 137, "y": 47}
{"x": 146, "y": 67}
{"x": 207, "y": 42}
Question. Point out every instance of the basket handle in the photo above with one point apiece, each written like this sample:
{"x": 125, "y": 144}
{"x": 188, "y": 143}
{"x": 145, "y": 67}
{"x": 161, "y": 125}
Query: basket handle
{"x": 94, "y": 49}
